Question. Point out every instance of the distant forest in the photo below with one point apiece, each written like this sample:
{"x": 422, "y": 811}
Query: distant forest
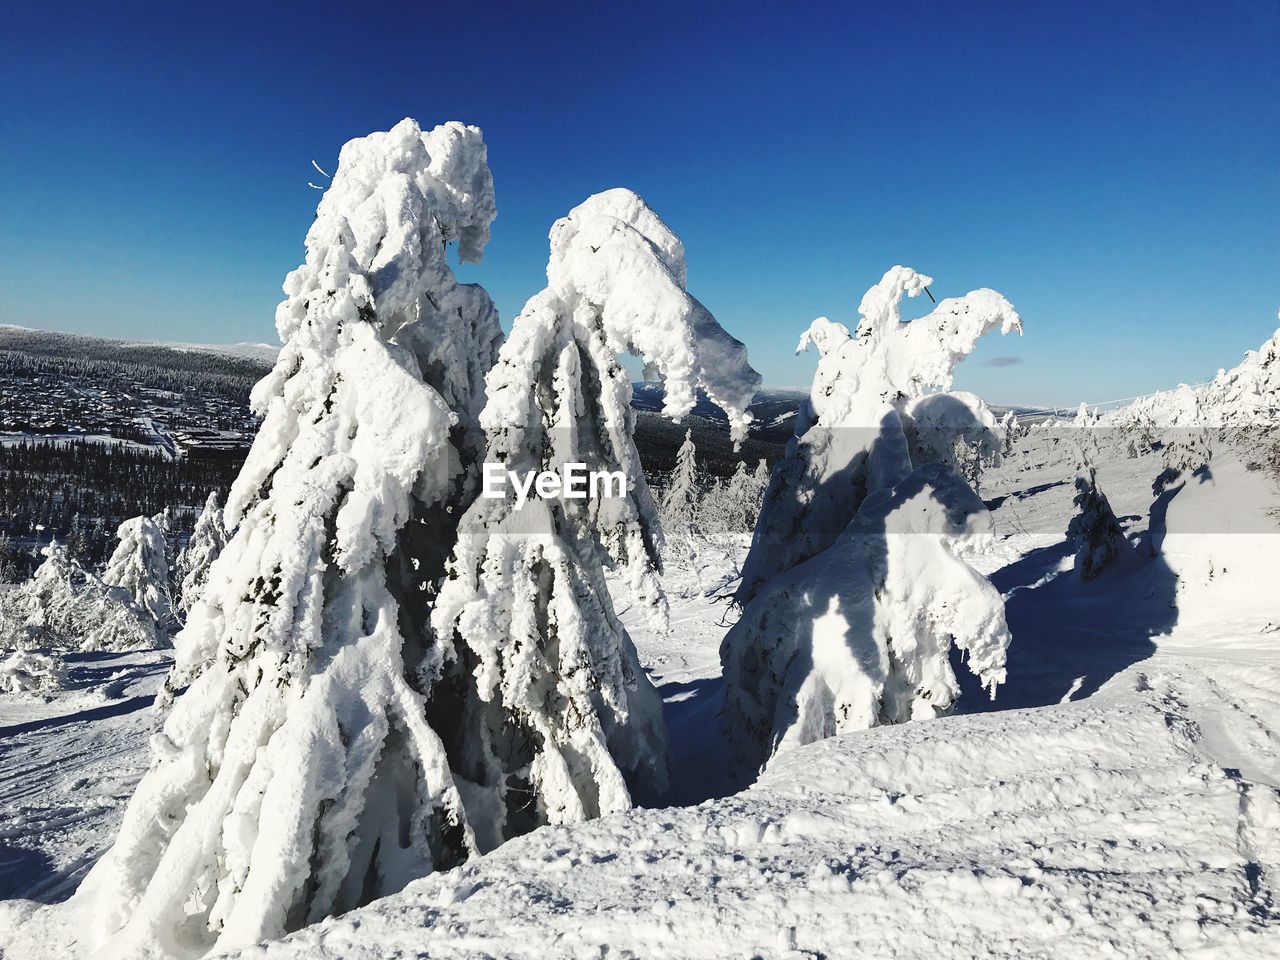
{"x": 80, "y": 492}
{"x": 40, "y": 352}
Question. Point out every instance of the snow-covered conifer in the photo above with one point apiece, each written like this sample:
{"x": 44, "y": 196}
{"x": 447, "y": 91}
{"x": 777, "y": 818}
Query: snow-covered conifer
{"x": 566, "y": 714}
{"x": 299, "y": 774}
{"x": 208, "y": 537}
{"x": 849, "y": 434}
{"x": 853, "y": 594}
{"x": 65, "y": 607}
{"x": 1094, "y": 526}
{"x": 140, "y": 566}
{"x": 8, "y": 561}
{"x": 680, "y": 500}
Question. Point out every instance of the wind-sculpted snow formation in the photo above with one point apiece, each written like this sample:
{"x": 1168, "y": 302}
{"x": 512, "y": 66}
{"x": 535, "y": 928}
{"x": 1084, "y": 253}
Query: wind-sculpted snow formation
{"x": 853, "y": 593}
{"x": 526, "y": 602}
{"x": 298, "y": 775}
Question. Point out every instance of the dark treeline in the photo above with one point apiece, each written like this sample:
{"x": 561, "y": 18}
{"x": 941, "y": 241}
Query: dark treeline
{"x": 215, "y": 378}
{"x": 80, "y": 492}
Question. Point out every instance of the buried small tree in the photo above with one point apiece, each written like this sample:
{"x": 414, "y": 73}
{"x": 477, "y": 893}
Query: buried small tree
{"x": 565, "y": 715}
{"x": 297, "y": 776}
{"x": 853, "y": 595}
{"x": 1094, "y": 527}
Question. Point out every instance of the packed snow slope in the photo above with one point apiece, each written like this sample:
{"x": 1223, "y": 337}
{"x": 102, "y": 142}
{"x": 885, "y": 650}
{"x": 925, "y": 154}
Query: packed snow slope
{"x": 1119, "y": 797}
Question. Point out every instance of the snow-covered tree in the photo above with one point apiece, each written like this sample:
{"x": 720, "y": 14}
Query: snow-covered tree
{"x": 8, "y": 561}
{"x": 849, "y": 432}
{"x": 208, "y": 537}
{"x": 1010, "y": 431}
{"x": 140, "y": 566}
{"x": 565, "y": 714}
{"x": 680, "y": 499}
{"x": 1094, "y": 526}
{"x": 681, "y": 508}
{"x": 1188, "y": 441}
{"x": 65, "y": 607}
{"x": 299, "y": 774}
{"x": 853, "y": 593}
{"x": 23, "y": 671}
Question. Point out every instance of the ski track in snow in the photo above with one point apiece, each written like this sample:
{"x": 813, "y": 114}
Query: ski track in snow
{"x": 1120, "y": 797}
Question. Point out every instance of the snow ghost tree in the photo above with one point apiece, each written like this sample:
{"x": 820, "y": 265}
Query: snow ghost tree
{"x": 849, "y": 435}
{"x": 853, "y": 594}
{"x": 208, "y": 537}
{"x": 567, "y": 723}
{"x": 1094, "y": 527}
{"x": 65, "y": 607}
{"x": 140, "y": 566}
{"x": 297, "y": 775}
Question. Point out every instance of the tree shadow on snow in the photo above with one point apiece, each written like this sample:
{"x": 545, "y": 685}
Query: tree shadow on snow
{"x": 1070, "y": 636}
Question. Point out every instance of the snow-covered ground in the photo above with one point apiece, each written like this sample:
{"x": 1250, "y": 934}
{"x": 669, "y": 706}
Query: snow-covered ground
{"x": 1118, "y": 797}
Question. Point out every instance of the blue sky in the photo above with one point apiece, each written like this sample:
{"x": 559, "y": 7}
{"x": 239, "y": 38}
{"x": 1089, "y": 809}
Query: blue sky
{"x": 1112, "y": 168}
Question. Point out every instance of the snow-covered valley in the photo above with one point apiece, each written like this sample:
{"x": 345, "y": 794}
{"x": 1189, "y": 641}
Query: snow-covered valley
{"x": 1120, "y": 796}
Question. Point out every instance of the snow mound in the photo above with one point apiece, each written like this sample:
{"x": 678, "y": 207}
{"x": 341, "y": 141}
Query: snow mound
{"x": 1105, "y": 827}
{"x": 27, "y": 672}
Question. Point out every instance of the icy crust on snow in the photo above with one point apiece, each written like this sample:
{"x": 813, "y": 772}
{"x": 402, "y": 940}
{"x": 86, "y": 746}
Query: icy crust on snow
{"x": 866, "y": 382}
{"x": 1091, "y": 829}
{"x": 861, "y": 634}
{"x": 297, "y": 776}
{"x": 526, "y": 602}
{"x": 617, "y": 262}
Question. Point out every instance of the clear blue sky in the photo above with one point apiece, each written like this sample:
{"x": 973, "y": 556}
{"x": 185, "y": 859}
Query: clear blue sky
{"x": 1112, "y": 168}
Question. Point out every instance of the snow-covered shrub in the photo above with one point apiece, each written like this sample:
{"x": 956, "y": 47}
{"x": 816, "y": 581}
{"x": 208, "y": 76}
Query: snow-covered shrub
{"x": 853, "y": 592}
{"x": 25, "y": 672}
{"x": 140, "y": 566}
{"x": 299, "y": 775}
{"x": 65, "y": 607}
{"x": 208, "y": 537}
{"x": 565, "y": 712}
{"x": 1094, "y": 526}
